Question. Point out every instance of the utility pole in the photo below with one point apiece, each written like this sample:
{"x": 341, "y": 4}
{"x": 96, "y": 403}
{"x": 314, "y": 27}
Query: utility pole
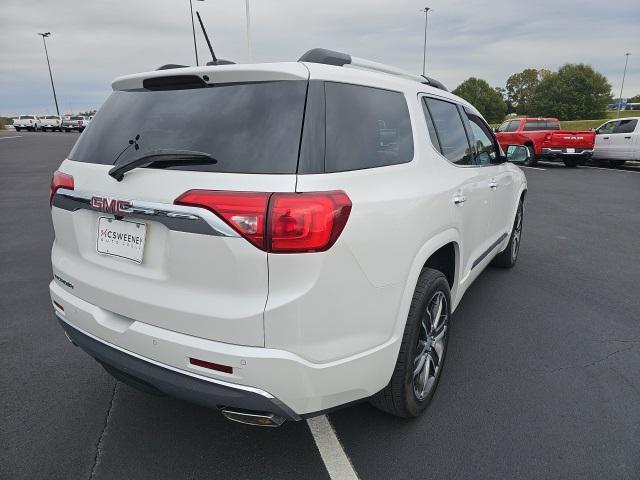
{"x": 622, "y": 86}
{"x": 424, "y": 50}
{"x": 193, "y": 30}
{"x": 55, "y": 99}
{"x": 248, "y": 30}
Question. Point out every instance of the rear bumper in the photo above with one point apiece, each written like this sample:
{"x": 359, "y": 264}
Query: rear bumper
{"x": 149, "y": 375}
{"x": 562, "y": 152}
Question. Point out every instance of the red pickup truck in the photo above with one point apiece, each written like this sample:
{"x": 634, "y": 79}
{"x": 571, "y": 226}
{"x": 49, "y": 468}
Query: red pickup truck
{"x": 546, "y": 141}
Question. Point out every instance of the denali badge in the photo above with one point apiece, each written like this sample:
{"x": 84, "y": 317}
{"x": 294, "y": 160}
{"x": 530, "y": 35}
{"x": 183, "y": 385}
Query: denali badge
{"x": 111, "y": 205}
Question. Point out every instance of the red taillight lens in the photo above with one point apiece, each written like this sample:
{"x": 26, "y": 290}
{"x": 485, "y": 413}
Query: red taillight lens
{"x": 244, "y": 211}
{"x": 211, "y": 365}
{"x": 278, "y": 222}
{"x": 306, "y": 222}
{"x": 59, "y": 180}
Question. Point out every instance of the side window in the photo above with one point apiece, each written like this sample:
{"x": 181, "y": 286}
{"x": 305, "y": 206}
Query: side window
{"x": 486, "y": 150}
{"x": 553, "y": 125}
{"x": 608, "y": 127}
{"x": 451, "y": 133}
{"x": 431, "y": 127}
{"x": 513, "y": 126}
{"x": 365, "y": 127}
{"x": 533, "y": 125}
{"x": 503, "y": 127}
{"x": 626, "y": 126}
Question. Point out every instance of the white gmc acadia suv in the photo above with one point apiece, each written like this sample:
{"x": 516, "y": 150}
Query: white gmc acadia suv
{"x": 275, "y": 240}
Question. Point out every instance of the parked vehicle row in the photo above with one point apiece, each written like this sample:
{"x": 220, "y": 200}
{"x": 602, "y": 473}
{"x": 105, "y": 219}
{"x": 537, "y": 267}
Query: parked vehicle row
{"x": 33, "y": 123}
{"x": 546, "y": 141}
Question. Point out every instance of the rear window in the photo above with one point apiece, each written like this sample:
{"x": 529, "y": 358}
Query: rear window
{"x": 77, "y": 118}
{"x": 247, "y": 127}
{"x": 365, "y": 127}
{"x": 26, "y": 117}
{"x": 49, "y": 117}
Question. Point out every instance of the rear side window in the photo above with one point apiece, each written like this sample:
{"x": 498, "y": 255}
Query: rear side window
{"x": 512, "y": 126}
{"x": 553, "y": 125}
{"x": 626, "y": 126}
{"x": 26, "y": 117}
{"x": 365, "y": 127}
{"x": 486, "y": 149}
{"x": 451, "y": 133}
{"x": 247, "y": 127}
{"x": 533, "y": 125}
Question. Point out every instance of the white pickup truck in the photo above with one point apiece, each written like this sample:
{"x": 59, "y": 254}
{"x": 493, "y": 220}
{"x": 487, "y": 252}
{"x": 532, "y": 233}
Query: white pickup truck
{"x": 51, "y": 122}
{"x": 27, "y": 122}
{"x": 75, "y": 122}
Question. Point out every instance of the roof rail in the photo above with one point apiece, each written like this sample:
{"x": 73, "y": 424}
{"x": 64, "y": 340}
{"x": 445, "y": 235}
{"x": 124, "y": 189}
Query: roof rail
{"x": 170, "y": 66}
{"x": 339, "y": 59}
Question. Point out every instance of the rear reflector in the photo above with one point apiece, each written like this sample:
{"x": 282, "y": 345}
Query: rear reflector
{"x": 59, "y": 180}
{"x": 210, "y": 365}
{"x": 278, "y": 222}
{"x": 56, "y": 304}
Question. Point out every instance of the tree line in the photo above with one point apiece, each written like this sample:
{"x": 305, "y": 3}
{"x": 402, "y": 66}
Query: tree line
{"x": 574, "y": 92}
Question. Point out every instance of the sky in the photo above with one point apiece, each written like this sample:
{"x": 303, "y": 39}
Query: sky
{"x": 95, "y": 41}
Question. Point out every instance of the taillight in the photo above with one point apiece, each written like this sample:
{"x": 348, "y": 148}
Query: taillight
{"x": 306, "y": 222}
{"x": 279, "y": 222}
{"x": 244, "y": 211}
{"x": 59, "y": 180}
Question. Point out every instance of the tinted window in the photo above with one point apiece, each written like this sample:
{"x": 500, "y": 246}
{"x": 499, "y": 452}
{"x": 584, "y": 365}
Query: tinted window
{"x": 513, "y": 126}
{"x": 453, "y": 139}
{"x": 77, "y": 118}
{"x": 503, "y": 127}
{"x": 486, "y": 151}
{"x": 26, "y": 117}
{"x": 532, "y": 125}
{"x": 50, "y": 117}
{"x": 431, "y": 127}
{"x": 248, "y": 128}
{"x": 365, "y": 127}
{"x": 608, "y": 127}
{"x": 626, "y": 126}
{"x": 553, "y": 125}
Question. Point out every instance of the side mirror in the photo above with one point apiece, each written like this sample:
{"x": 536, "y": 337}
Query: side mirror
{"x": 517, "y": 154}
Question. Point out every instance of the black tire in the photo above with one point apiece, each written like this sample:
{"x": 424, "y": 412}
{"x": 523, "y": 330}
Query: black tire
{"x": 570, "y": 162}
{"x": 18, "y": 129}
{"x": 400, "y": 397}
{"x": 616, "y": 163}
{"x": 66, "y": 130}
{"x": 532, "y": 161}
{"x": 508, "y": 257}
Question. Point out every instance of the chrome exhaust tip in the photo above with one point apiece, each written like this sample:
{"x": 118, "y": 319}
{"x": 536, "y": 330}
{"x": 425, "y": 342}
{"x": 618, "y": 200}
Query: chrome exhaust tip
{"x": 260, "y": 419}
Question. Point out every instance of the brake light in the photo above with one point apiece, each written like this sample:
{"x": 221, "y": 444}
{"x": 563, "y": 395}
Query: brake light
{"x": 278, "y": 222}
{"x": 244, "y": 211}
{"x": 307, "y": 222}
{"x": 59, "y": 180}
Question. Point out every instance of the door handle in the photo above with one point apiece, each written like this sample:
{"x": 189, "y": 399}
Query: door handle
{"x": 459, "y": 199}
{"x": 493, "y": 184}
{"x": 628, "y": 137}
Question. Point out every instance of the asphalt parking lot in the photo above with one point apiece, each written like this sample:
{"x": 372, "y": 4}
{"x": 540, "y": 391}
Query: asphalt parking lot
{"x": 542, "y": 377}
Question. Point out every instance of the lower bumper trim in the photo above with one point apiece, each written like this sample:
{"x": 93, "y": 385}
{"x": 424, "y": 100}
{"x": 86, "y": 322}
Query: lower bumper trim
{"x": 152, "y": 377}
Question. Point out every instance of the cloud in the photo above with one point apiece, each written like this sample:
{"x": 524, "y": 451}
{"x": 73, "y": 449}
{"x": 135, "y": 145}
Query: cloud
{"x": 95, "y": 41}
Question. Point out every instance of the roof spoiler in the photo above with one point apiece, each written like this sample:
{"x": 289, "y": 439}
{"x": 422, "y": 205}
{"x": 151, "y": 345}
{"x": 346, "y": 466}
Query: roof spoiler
{"x": 339, "y": 59}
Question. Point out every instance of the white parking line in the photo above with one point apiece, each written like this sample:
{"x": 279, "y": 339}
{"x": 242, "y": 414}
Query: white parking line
{"x": 534, "y": 168}
{"x": 614, "y": 169}
{"x": 14, "y": 136}
{"x": 333, "y": 455}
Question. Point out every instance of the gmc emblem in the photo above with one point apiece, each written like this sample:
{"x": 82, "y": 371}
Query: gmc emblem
{"x": 110, "y": 205}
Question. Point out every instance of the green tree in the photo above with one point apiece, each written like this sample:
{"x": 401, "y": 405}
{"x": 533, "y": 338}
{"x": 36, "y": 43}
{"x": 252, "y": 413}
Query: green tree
{"x": 634, "y": 99}
{"x": 480, "y": 94}
{"x": 575, "y": 92}
{"x": 519, "y": 87}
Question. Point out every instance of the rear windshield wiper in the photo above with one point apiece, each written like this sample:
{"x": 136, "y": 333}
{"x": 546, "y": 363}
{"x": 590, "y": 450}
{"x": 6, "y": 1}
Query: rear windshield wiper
{"x": 163, "y": 159}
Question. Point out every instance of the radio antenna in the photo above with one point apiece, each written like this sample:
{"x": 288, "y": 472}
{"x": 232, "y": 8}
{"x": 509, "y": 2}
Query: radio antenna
{"x": 206, "y": 37}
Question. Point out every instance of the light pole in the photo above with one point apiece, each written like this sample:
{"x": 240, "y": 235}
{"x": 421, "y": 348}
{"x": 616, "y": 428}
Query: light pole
{"x": 55, "y": 99}
{"x": 622, "y": 86}
{"x": 424, "y": 50}
{"x": 193, "y": 29}
{"x": 248, "y": 29}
